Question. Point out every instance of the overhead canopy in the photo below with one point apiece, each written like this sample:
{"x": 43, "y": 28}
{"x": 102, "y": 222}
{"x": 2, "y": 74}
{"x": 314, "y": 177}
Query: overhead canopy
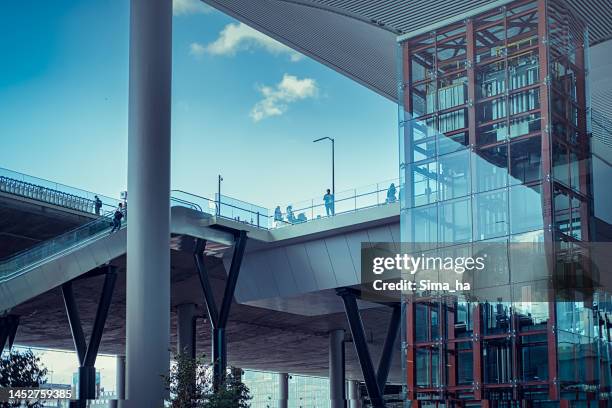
{"x": 358, "y": 38}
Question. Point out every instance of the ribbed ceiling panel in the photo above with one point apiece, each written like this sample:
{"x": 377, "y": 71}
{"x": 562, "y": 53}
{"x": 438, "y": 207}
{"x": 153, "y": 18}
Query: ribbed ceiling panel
{"x": 357, "y": 37}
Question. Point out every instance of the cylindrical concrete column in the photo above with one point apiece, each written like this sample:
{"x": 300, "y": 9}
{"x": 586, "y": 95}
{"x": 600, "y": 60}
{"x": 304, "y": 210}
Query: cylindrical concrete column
{"x": 283, "y": 390}
{"x": 148, "y": 236}
{"x": 353, "y": 394}
{"x": 185, "y": 329}
{"x": 119, "y": 382}
{"x": 336, "y": 369}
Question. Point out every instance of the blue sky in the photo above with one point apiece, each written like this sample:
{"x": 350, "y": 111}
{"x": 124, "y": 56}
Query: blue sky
{"x": 243, "y": 106}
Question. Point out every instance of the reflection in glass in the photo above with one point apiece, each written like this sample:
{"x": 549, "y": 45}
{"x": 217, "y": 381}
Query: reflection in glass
{"x": 526, "y": 209}
{"x": 424, "y": 179}
{"x": 526, "y": 160}
{"x": 491, "y": 167}
{"x": 454, "y": 175}
{"x": 455, "y": 221}
{"x": 491, "y": 214}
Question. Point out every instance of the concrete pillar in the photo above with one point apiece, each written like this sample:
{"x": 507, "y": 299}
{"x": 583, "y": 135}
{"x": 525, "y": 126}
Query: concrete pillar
{"x": 185, "y": 329}
{"x": 148, "y": 236}
{"x": 283, "y": 390}
{"x": 336, "y": 369}
{"x": 119, "y": 382}
{"x": 353, "y": 394}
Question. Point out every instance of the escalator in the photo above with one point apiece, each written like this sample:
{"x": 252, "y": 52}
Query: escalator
{"x": 53, "y": 262}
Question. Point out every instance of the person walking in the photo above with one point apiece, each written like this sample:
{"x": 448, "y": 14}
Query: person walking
{"x": 97, "y": 204}
{"x": 328, "y": 199}
{"x": 117, "y": 218}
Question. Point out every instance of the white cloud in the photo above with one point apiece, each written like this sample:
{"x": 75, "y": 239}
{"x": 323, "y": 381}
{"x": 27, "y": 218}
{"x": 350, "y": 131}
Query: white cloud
{"x": 186, "y": 7}
{"x": 197, "y": 50}
{"x": 276, "y": 99}
{"x": 240, "y": 37}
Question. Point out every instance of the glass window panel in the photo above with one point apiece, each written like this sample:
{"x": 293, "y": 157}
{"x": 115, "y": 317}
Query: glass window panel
{"x": 535, "y": 362}
{"x": 526, "y": 209}
{"x": 423, "y": 99}
{"x": 421, "y": 329}
{"x": 522, "y": 32}
{"x": 423, "y": 136}
{"x": 491, "y": 110}
{"x": 524, "y": 125}
{"x": 489, "y": 134}
{"x": 498, "y": 361}
{"x": 574, "y": 170}
{"x": 465, "y": 368}
{"x": 451, "y": 55}
{"x": 452, "y": 143}
{"x": 491, "y": 80}
{"x": 490, "y": 42}
{"x": 576, "y": 218}
{"x": 560, "y": 159}
{"x": 423, "y": 367}
{"x": 455, "y": 220}
{"x": 422, "y": 64}
{"x": 491, "y": 168}
{"x": 451, "y": 121}
{"x": 523, "y": 70}
{"x": 491, "y": 214}
{"x": 454, "y": 175}
{"x": 526, "y": 160}
{"x": 452, "y": 91}
{"x": 524, "y": 101}
{"x": 562, "y": 211}
{"x": 424, "y": 176}
{"x": 424, "y": 224}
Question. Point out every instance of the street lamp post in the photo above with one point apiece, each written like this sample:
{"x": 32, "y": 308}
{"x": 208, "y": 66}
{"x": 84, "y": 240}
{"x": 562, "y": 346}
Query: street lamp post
{"x": 220, "y": 179}
{"x": 333, "y": 160}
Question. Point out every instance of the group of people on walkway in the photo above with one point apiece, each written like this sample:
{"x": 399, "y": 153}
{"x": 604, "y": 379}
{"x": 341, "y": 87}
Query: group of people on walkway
{"x": 329, "y": 202}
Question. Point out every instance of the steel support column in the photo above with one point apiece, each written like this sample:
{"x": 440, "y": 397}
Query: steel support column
{"x": 219, "y": 317}
{"x": 185, "y": 329}
{"x": 361, "y": 346}
{"x": 353, "y": 394}
{"x": 87, "y": 353}
{"x": 337, "y": 361}
{"x": 283, "y": 390}
{"x": 8, "y": 331}
{"x": 119, "y": 382}
{"x": 384, "y": 365}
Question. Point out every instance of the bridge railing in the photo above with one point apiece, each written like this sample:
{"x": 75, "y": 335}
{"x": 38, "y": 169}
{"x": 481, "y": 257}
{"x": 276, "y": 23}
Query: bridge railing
{"x": 35, "y": 188}
{"x": 226, "y": 207}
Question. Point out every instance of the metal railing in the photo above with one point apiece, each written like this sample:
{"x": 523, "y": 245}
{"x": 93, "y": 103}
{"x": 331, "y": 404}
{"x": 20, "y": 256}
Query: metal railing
{"x": 57, "y": 245}
{"x": 225, "y": 207}
{"x": 346, "y": 201}
{"x": 35, "y": 188}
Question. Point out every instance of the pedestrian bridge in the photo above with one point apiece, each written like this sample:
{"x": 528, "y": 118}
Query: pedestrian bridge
{"x": 289, "y": 265}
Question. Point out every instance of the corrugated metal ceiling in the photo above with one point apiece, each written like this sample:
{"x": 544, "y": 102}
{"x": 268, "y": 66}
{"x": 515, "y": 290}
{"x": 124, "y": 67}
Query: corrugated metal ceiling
{"x": 358, "y": 37}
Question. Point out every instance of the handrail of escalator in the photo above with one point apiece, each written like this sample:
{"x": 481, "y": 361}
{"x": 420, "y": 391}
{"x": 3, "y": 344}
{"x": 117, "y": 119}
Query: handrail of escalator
{"x": 67, "y": 240}
{"x": 186, "y": 203}
{"x": 55, "y": 245}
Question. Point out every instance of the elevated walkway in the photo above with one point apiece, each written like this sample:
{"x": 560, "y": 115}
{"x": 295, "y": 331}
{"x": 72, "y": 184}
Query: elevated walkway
{"x": 292, "y": 262}
{"x": 90, "y": 246}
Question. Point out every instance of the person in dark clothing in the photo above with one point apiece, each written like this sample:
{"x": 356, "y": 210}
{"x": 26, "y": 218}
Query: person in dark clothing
{"x": 328, "y": 199}
{"x": 97, "y": 205}
{"x": 117, "y": 218}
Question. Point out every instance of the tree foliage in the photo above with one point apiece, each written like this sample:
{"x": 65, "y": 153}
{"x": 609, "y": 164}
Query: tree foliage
{"x": 21, "y": 369}
{"x": 190, "y": 383}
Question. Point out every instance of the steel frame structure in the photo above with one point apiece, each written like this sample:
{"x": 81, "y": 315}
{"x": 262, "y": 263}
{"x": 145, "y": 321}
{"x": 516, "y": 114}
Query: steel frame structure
{"x": 219, "y": 316}
{"x": 88, "y": 352}
{"x": 540, "y": 30}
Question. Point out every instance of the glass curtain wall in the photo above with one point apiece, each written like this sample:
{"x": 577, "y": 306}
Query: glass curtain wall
{"x": 494, "y": 136}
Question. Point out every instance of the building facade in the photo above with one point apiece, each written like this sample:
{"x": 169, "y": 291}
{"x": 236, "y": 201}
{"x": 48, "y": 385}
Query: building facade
{"x": 497, "y": 157}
